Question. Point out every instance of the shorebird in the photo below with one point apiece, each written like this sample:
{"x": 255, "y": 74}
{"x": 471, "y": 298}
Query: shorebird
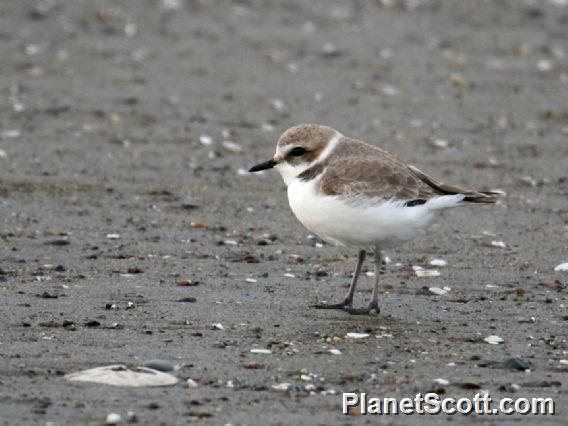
{"x": 356, "y": 195}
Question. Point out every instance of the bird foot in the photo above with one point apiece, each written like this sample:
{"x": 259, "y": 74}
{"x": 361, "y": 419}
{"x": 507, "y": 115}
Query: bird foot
{"x": 372, "y": 309}
{"x": 346, "y": 304}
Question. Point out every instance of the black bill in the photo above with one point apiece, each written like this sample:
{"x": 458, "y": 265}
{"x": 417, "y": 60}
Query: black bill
{"x": 263, "y": 166}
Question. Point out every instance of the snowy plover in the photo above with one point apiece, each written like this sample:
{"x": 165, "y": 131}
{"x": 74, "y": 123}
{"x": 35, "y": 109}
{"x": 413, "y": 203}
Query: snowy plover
{"x": 356, "y": 195}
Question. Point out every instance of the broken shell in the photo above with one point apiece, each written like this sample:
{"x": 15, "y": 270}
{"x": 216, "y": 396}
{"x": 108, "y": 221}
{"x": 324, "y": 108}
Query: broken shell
{"x": 437, "y": 291}
{"x": 261, "y": 351}
{"x": 120, "y": 375}
{"x": 233, "y": 147}
{"x": 427, "y": 273}
{"x": 113, "y": 419}
{"x": 494, "y": 340}
{"x": 357, "y": 335}
{"x": 206, "y": 140}
{"x": 500, "y": 244}
{"x": 281, "y": 386}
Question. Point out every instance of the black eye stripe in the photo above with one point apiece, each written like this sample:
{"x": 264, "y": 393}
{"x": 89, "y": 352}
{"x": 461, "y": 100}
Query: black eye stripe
{"x": 298, "y": 151}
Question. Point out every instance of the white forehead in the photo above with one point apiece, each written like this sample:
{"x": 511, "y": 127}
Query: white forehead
{"x": 289, "y": 172}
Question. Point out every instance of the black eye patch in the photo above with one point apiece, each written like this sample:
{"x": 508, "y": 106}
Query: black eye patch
{"x": 298, "y": 151}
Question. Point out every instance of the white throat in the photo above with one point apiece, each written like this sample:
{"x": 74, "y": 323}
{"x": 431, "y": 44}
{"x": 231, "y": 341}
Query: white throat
{"x": 290, "y": 172}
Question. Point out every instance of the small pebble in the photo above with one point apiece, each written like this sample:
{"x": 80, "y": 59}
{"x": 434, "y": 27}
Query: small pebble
{"x": 278, "y": 105}
{"x": 515, "y": 363}
{"x": 330, "y": 50}
{"x": 191, "y": 384}
{"x": 389, "y": 90}
{"x": 544, "y": 65}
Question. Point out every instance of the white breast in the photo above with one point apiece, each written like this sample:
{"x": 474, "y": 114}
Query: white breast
{"x": 361, "y": 224}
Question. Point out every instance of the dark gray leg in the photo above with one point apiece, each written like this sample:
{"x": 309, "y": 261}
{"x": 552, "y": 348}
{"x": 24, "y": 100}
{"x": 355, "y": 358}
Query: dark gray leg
{"x": 373, "y": 307}
{"x": 348, "y": 301}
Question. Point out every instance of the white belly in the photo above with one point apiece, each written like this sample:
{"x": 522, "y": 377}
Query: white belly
{"x": 364, "y": 224}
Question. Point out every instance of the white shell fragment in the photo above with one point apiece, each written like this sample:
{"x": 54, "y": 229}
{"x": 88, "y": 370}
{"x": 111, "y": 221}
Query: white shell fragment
{"x": 438, "y": 262}
{"x": 441, "y": 381}
{"x": 233, "y": 147}
{"x": 427, "y": 273}
{"x": 218, "y": 326}
{"x": 206, "y": 140}
{"x": 334, "y": 351}
{"x": 437, "y": 291}
{"x": 113, "y": 419}
{"x": 281, "y": 386}
{"x": 261, "y": 351}
{"x": 191, "y": 384}
{"x": 357, "y": 335}
{"x": 113, "y": 236}
{"x": 562, "y": 267}
{"x": 500, "y": 244}
{"x": 494, "y": 340}
{"x": 440, "y": 143}
{"x": 11, "y": 134}
{"x": 121, "y": 375}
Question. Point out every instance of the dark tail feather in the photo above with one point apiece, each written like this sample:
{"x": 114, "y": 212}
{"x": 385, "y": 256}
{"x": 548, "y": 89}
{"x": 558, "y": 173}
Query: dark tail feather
{"x": 476, "y": 197}
{"x": 482, "y": 197}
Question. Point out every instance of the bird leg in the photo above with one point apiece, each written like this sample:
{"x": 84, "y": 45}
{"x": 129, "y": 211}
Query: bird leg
{"x": 374, "y": 304}
{"x": 347, "y": 303}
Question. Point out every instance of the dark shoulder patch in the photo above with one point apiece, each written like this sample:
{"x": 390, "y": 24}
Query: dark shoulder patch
{"x": 312, "y": 172}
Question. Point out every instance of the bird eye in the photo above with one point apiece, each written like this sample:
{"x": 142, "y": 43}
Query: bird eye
{"x": 297, "y": 152}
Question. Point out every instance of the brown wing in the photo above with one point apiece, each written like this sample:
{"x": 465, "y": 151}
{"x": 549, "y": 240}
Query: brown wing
{"x": 359, "y": 169}
{"x": 370, "y": 172}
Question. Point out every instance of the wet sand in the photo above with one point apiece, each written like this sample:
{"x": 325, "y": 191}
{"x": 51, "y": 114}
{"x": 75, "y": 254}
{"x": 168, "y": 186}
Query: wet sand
{"x": 111, "y": 195}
